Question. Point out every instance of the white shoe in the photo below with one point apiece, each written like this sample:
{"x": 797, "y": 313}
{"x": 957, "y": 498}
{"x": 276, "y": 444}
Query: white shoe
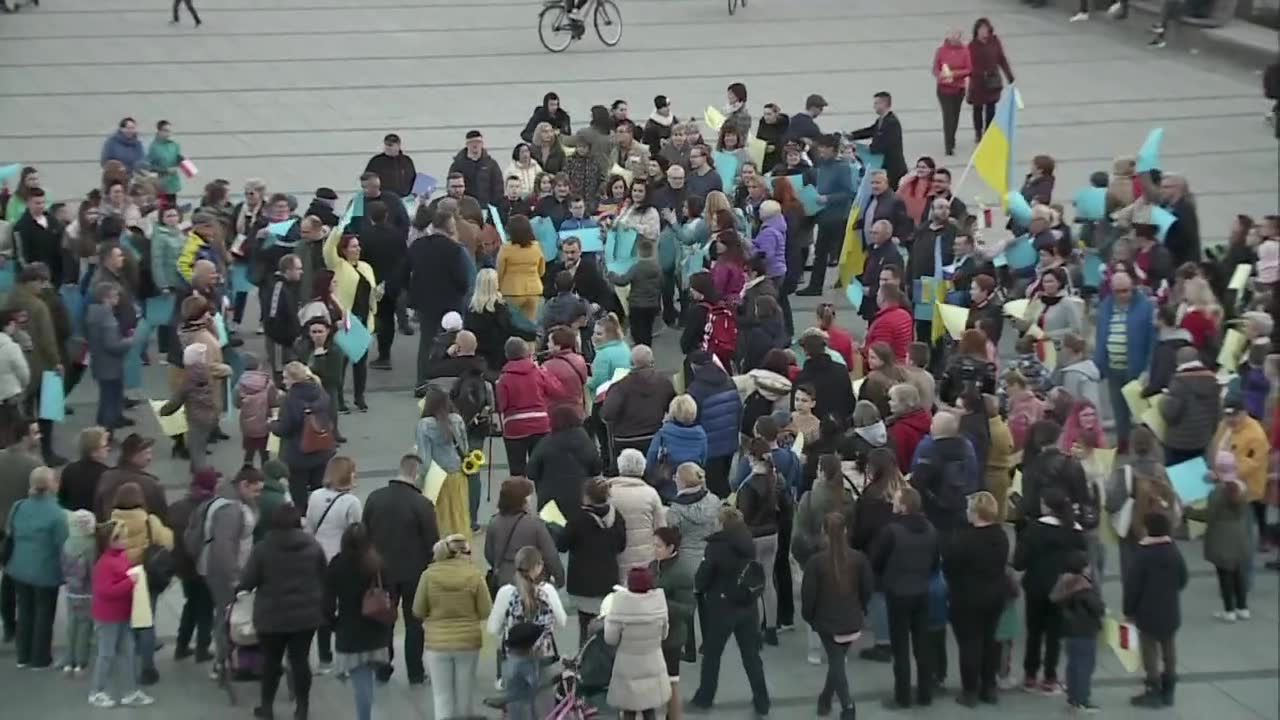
{"x": 1009, "y": 682}
{"x": 1079, "y": 17}
{"x": 324, "y": 668}
{"x": 101, "y": 700}
{"x": 1243, "y": 614}
{"x": 137, "y": 698}
{"x": 1227, "y": 616}
{"x": 1115, "y": 9}
{"x": 68, "y": 668}
{"x": 814, "y": 659}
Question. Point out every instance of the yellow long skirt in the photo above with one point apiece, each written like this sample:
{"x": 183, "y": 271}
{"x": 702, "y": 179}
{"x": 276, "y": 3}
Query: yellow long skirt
{"x": 452, "y": 512}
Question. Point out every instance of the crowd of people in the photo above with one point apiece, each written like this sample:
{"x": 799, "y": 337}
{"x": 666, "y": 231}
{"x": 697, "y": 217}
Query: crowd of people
{"x": 873, "y": 484}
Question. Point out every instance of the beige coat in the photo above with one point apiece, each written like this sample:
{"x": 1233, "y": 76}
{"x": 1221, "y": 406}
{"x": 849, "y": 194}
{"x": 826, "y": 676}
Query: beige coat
{"x": 642, "y": 511}
{"x": 637, "y": 625}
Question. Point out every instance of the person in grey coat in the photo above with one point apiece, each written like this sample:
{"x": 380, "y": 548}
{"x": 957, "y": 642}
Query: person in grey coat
{"x": 107, "y": 349}
{"x": 1191, "y": 408}
{"x": 227, "y": 523}
{"x": 515, "y": 526}
{"x": 645, "y": 299}
{"x": 695, "y": 512}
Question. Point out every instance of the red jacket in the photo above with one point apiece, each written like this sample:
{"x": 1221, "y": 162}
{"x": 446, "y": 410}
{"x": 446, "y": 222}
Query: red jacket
{"x": 841, "y": 341}
{"x": 955, "y": 57}
{"x": 570, "y": 370}
{"x": 906, "y": 433}
{"x": 112, "y": 588}
{"x": 895, "y": 326}
{"x": 1202, "y": 327}
{"x": 523, "y": 392}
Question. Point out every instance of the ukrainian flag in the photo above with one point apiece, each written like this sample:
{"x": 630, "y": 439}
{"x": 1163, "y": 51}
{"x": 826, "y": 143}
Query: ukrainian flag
{"x": 993, "y": 158}
{"x": 853, "y": 254}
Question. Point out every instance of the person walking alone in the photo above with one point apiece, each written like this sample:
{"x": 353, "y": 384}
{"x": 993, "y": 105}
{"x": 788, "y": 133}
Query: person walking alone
{"x": 191, "y": 8}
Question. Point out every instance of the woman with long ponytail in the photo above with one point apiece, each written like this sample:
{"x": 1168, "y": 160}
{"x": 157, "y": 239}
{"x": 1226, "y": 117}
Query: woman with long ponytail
{"x": 361, "y": 642}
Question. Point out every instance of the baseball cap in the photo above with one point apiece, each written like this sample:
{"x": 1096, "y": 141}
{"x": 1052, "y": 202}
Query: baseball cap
{"x": 474, "y": 135}
{"x": 1233, "y": 403}
{"x": 815, "y": 100}
{"x": 660, "y": 102}
{"x": 391, "y": 139}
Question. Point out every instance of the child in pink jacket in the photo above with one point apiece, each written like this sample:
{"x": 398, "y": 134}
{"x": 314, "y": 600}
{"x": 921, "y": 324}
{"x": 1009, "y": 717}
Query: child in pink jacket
{"x": 112, "y": 611}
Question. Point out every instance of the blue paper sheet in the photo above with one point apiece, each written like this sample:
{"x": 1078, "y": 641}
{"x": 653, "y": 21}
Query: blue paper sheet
{"x": 496, "y": 220}
{"x": 354, "y": 340}
{"x": 73, "y": 301}
{"x": 133, "y": 358}
{"x": 1163, "y": 220}
{"x": 1019, "y": 209}
{"x": 8, "y": 276}
{"x": 1091, "y": 203}
{"x": 620, "y": 250}
{"x": 589, "y": 237}
{"x": 220, "y": 329}
{"x": 10, "y": 172}
{"x": 53, "y": 399}
{"x": 544, "y": 229}
{"x": 1021, "y": 253}
{"x": 1000, "y": 261}
{"x": 1092, "y": 270}
{"x": 855, "y": 293}
{"x": 159, "y": 310}
{"x": 282, "y": 228}
{"x": 726, "y": 164}
{"x": 240, "y": 278}
{"x": 423, "y": 185}
{"x": 1149, "y": 154}
{"x": 872, "y": 161}
{"x": 808, "y": 194}
{"x": 1188, "y": 480}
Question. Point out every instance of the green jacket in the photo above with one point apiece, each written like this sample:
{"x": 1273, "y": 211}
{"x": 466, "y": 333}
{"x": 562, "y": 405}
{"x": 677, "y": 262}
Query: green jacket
{"x": 44, "y": 338}
{"x": 274, "y": 494}
{"x": 163, "y": 157}
{"x": 675, "y": 577}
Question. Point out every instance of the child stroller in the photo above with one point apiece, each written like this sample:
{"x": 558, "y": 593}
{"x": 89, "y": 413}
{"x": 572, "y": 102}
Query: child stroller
{"x": 244, "y": 659}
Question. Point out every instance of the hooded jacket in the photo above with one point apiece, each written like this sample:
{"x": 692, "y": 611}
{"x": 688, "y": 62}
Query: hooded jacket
{"x": 111, "y": 481}
{"x": 1153, "y": 587}
{"x": 483, "y": 176}
{"x": 594, "y": 538}
{"x": 696, "y": 514}
{"x": 112, "y": 588}
{"x": 719, "y": 408}
{"x": 1081, "y": 605}
{"x": 1164, "y": 359}
{"x": 287, "y": 569}
{"x": 255, "y": 396}
{"x": 806, "y": 535}
{"x": 1226, "y": 535}
{"x": 974, "y": 561}
{"x": 1192, "y": 407}
{"x": 831, "y": 381}
{"x": 728, "y": 551}
{"x": 1081, "y": 379}
{"x": 762, "y": 392}
{"x": 905, "y": 555}
{"x": 1041, "y": 553}
{"x": 107, "y": 346}
{"x": 929, "y": 476}
{"x": 523, "y": 392}
{"x": 643, "y": 512}
{"x": 772, "y": 243}
{"x": 906, "y": 432}
{"x": 301, "y": 398}
{"x": 638, "y": 624}
{"x": 142, "y": 530}
{"x": 454, "y": 602}
{"x": 122, "y": 148}
{"x": 682, "y": 444}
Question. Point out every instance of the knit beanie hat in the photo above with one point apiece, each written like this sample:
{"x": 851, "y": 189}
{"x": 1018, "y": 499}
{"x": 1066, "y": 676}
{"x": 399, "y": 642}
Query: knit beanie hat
{"x": 82, "y": 523}
{"x": 275, "y": 471}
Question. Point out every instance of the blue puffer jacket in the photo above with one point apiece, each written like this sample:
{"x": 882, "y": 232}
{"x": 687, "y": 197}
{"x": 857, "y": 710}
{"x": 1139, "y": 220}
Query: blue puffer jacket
{"x": 39, "y": 528}
{"x": 683, "y": 443}
{"x": 1140, "y": 334}
{"x": 719, "y": 409}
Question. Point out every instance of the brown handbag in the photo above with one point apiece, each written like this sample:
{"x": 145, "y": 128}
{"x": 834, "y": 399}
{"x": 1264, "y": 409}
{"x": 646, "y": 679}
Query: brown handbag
{"x": 377, "y": 605}
{"x": 316, "y": 437}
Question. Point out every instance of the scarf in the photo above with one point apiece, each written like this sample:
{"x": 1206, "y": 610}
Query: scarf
{"x": 663, "y": 120}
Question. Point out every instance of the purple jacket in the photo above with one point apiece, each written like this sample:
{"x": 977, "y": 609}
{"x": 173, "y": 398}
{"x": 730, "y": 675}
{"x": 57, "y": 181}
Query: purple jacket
{"x": 772, "y": 242}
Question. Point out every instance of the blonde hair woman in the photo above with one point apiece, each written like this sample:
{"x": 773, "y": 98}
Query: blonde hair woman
{"x": 330, "y": 511}
{"x": 528, "y": 598}
{"x": 304, "y": 401}
{"x": 680, "y": 440}
{"x": 453, "y": 601}
{"x": 612, "y": 353}
{"x": 1200, "y": 312}
{"x": 491, "y": 318}
{"x": 546, "y": 149}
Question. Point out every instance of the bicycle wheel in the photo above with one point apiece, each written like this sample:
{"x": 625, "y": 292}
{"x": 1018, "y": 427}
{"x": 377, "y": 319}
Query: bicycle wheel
{"x": 608, "y": 21}
{"x": 554, "y": 30}
{"x": 733, "y": 6}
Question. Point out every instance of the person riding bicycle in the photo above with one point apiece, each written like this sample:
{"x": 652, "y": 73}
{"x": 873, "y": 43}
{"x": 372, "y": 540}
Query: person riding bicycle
{"x": 575, "y": 8}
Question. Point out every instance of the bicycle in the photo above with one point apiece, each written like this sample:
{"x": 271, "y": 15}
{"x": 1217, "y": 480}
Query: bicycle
{"x": 557, "y": 31}
{"x": 733, "y": 5}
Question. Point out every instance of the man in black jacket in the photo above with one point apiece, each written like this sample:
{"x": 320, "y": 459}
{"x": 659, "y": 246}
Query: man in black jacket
{"x": 885, "y": 204}
{"x": 439, "y": 281}
{"x": 829, "y": 378}
{"x": 322, "y": 206}
{"x": 279, "y": 301}
{"x": 481, "y": 171}
{"x": 401, "y": 523}
{"x": 588, "y": 283}
{"x": 383, "y": 247}
{"x": 886, "y": 138}
{"x": 395, "y": 169}
{"x": 772, "y": 129}
{"x": 38, "y": 237}
{"x": 397, "y": 215}
{"x": 905, "y": 556}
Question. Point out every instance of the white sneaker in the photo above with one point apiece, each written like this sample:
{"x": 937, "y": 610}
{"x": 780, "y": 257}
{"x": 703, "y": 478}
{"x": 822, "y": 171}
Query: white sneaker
{"x": 1079, "y": 17}
{"x": 324, "y": 668}
{"x": 1243, "y": 614}
{"x": 137, "y": 698}
{"x": 101, "y": 700}
{"x": 1115, "y": 9}
{"x": 499, "y": 685}
{"x": 1227, "y": 616}
{"x": 1008, "y": 682}
{"x": 814, "y": 659}
{"x": 68, "y": 668}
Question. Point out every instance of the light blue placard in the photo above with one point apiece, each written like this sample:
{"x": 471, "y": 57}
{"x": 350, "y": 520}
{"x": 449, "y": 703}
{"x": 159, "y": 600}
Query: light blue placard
{"x": 282, "y": 228}
{"x": 1149, "y": 154}
{"x": 423, "y": 185}
{"x": 133, "y": 358}
{"x": 1091, "y": 203}
{"x": 873, "y": 161}
{"x": 73, "y": 301}
{"x": 496, "y": 219}
{"x": 855, "y": 293}
{"x": 355, "y": 208}
{"x": 727, "y": 166}
{"x": 354, "y": 340}
{"x": 1000, "y": 261}
{"x": 240, "y": 278}
{"x": 1188, "y": 480}
{"x": 620, "y": 250}
{"x": 1019, "y": 209}
{"x": 220, "y": 329}
{"x": 53, "y": 399}
{"x": 1092, "y": 270}
{"x": 1021, "y": 253}
{"x": 8, "y": 276}
{"x": 544, "y": 229}
{"x": 1163, "y": 220}
{"x": 159, "y": 310}
{"x": 10, "y": 172}
{"x": 588, "y": 237}
{"x": 808, "y": 195}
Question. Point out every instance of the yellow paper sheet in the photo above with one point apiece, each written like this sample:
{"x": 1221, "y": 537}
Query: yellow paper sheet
{"x": 1106, "y": 459}
{"x": 757, "y": 148}
{"x": 624, "y": 296}
{"x": 1016, "y": 485}
{"x": 622, "y": 172}
{"x": 954, "y": 318}
{"x": 1240, "y": 277}
{"x": 797, "y": 447}
{"x": 857, "y": 385}
{"x": 433, "y": 482}
{"x": 1154, "y": 420}
{"x": 1233, "y": 345}
{"x": 713, "y": 118}
{"x": 732, "y": 500}
{"x": 677, "y": 381}
{"x": 273, "y": 440}
{"x": 1016, "y": 309}
{"x": 1132, "y": 393}
{"x": 140, "y": 614}
{"x": 1050, "y": 355}
{"x": 1035, "y": 332}
{"x": 170, "y": 425}
{"x": 1126, "y": 652}
{"x": 551, "y": 514}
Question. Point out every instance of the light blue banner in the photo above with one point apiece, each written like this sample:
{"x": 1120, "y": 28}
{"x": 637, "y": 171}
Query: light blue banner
{"x": 727, "y": 166}
{"x": 240, "y": 278}
{"x": 544, "y": 230}
{"x": 159, "y": 310}
{"x": 1163, "y": 220}
{"x": 53, "y": 399}
{"x": 620, "y": 250}
{"x": 1149, "y": 154}
{"x": 855, "y": 293}
{"x": 73, "y": 301}
{"x": 496, "y": 220}
{"x": 1021, "y": 253}
{"x": 1019, "y": 209}
{"x": 873, "y": 161}
{"x": 355, "y": 340}
{"x": 282, "y": 228}
{"x": 133, "y": 358}
{"x": 589, "y": 237}
{"x": 10, "y": 172}
{"x": 1091, "y": 203}
{"x": 1188, "y": 480}
{"x": 220, "y": 329}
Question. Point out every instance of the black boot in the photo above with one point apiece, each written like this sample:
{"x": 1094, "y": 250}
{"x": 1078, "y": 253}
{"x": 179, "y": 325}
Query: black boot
{"x": 1168, "y": 681}
{"x": 1150, "y": 696}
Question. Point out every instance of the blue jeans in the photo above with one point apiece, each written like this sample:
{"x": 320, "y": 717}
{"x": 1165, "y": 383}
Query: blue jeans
{"x": 1082, "y": 655}
{"x": 110, "y": 403}
{"x": 115, "y": 656}
{"x": 362, "y": 682}
{"x": 145, "y": 641}
{"x": 879, "y": 616}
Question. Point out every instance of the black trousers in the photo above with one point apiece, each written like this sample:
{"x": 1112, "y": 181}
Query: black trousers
{"x": 784, "y": 302}
{"x": 190, "y": 8}
{"x": 197, "y": 614}
{"x": 950, "y": 104}
{"x": 982, "y": 117}
{"x": 743, "y": 624}
{"x": 8, "y": 605}
{"x": 519, "y": 450}
{"x": 782, "y": 577}
{"x": 386, "y": 322}
{"x": 36, "y": 609}
{"x": 718, "y": 475}
{"x": 670, "y": 314}
{"x": 302, "y": 481}
{"x": 1044, "y": 625}
{"x": 975, "y": 631}
{"x": 413, "y": 633}
{"x": 1233, "y": 589}
{"x": 297, "y": 645}
{"x": 908, "y": 635}
{"x": 827, "y": 247}
{"x": 642, "y": 320}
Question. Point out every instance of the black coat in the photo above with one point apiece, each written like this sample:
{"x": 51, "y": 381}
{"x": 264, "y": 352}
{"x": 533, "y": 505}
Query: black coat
{"x": 888, "y": 207}
{"x": 492, "y": 330}
{"x": 905, "y": 555}
{"x": 402, "y": 525}
{"x": 36, "y": 243}
{"x": 1183, "y": 238}
{"x": 1153, "y": 588}
{"x": 886, "y": 139}
{"x": 1164, "y": 362}
{"x": 974, "y": 561}
{"x": 831, "y": 381}
{"x": 1053, "y": 468}
{"x": 558, "y": 120}
{"x": 921, "y": 259}
{"x": 180, "y": 512}
{"x": 561, "y": 463}
{"x": 79, "y": 485}
{"x": 728, "y": 551}
{"x": 483, "y": 176}
{"x": 773, "y": 134}
{"x": 396, "y": 173}
{"x": 588, "y": 283}
{"x": 828, "y": 608}
{"x": 345, "y": 583}
{"x": 279, "y": 302}
{"x": 324, "y": 211}
{"x": 765, "y": 509}
{"x": 593, "y": 539}
{"x": 383, "y": 247}
{"x": 287, "y": 569}
{"x": 397, "y": 215}
{"x": 438, "y": 277}
{"x": 963, "y": 371}
{"x": 1041, "y": 553}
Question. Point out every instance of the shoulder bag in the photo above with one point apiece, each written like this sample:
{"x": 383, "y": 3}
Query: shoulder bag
{"x": 376, "y": 603}
{"x": 491, "y": 575}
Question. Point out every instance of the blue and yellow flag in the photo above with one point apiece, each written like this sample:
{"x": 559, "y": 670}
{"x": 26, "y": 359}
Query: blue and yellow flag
{"x": 993, "y": 158}
{"x": 853, "y": 254}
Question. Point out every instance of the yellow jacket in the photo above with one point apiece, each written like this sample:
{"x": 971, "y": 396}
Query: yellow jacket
{"x": 520, "y": 269}
{"x": 1000, "y": 455}
{"x": 135, "y": 521}
{"x": 1249, "y": 445}
{"x": 190, "y": 252}
{"x": 453, "y": 601}
{"x": 348, "y": 277}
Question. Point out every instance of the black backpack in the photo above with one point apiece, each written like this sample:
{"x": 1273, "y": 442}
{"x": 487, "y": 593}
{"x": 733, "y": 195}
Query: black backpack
{"x": 157, "y": 562}
{"x": 748, "y": 586}
{"x": 470, "y": 395}
{"x": 953, "y": 486}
